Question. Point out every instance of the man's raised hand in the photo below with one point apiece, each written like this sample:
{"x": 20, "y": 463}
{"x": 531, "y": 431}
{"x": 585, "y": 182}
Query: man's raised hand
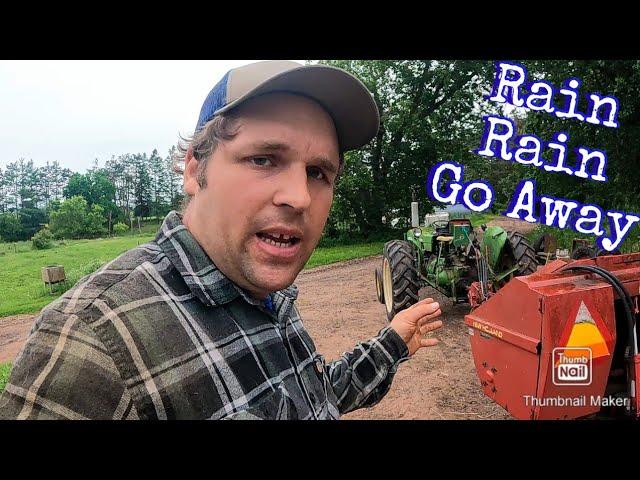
{"x": 417, "y": 320}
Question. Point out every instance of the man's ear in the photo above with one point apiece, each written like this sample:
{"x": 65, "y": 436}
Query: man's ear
{"x": 190, "y": 173}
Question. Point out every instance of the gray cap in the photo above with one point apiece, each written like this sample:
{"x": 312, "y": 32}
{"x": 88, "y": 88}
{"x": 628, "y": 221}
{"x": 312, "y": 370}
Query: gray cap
{"x": 354, "y": 112}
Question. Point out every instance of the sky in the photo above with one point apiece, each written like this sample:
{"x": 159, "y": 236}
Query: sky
{"x": 77, "y": 111}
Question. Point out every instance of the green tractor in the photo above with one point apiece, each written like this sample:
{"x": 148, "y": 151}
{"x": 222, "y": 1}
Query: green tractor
{"x": 448, "y": 257}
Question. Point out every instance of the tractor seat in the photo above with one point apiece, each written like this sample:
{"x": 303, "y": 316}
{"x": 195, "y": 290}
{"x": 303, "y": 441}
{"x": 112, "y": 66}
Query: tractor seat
{"x": 444, "y": 238}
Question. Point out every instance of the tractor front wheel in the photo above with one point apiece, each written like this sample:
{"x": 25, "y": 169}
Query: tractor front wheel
{"x": 400, "y": 282}
{"x": 379, "y": 287}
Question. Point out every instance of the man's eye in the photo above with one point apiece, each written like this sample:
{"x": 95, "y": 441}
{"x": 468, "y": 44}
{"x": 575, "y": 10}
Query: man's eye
{"x": 316, "y": 173}
{"x": 261, "y": 161}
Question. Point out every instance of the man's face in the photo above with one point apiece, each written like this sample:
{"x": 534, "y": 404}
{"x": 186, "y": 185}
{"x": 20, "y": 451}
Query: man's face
{"x": 268, "y": 192}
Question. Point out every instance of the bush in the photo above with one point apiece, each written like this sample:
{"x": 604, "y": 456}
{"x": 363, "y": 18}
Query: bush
{"x": 42, "y": 240}
{"x": 74, "y": 219}
{"x": 94, "y": 224}
{"x": 120, "y": 229}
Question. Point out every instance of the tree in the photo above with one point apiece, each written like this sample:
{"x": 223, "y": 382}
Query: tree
{"x": 174, "y": 193}
{"x": 96, "y": 188}
{"x": 94, "y": 226}
{"x": 58, "y": 180}
{"x": 12, "y": 188}
{"x": 620, "y": 79}
{"x": 32, "y": 220}
{"x": 10, "y": 228}
{"x": 142, "y": 188}
{"x": 128, "y": 184}
{"x": 119, "y": 172}
{"x": 429, "y": 112}
{"x": 79, "y": 185}
{"x": 3, "y": 192}
{"x": 75, "y": 219}
{"x": 159, "y": 180}
{"x": 25, "y": 189}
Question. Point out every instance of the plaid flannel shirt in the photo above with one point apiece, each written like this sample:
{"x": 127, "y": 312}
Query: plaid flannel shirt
{"x": 161, "y": 333}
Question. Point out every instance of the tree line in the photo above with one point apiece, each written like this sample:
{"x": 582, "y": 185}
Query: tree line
{"x": 79, "y": 205}
{"x": 433, "y": 110}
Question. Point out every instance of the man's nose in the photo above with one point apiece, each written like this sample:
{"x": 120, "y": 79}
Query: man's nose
{"x": 293, "y": 190}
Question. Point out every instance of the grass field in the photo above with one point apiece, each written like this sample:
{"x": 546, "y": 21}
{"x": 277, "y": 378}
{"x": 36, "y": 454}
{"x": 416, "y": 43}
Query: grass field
{"x": 22, "y": 290}
{"x": 327, "y": 255}
{"x": 21, "y": 287}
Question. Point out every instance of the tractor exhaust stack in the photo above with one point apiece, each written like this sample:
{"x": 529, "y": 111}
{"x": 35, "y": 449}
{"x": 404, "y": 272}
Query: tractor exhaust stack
{"x": 415, "y": 216}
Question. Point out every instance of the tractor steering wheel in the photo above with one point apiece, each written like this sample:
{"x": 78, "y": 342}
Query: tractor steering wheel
{"x": 438, "y": 224}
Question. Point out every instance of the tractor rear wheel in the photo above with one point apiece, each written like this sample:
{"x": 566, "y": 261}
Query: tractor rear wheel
{"x": 400, "y": 280}
{"x": 523, "y": 254}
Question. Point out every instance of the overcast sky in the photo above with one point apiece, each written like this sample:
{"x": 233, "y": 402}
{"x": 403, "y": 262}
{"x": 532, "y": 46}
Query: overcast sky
{"x": 76, "y": 111}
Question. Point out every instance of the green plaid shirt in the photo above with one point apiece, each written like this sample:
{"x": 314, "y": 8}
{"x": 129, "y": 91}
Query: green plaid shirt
{"x": 161, "y": 333}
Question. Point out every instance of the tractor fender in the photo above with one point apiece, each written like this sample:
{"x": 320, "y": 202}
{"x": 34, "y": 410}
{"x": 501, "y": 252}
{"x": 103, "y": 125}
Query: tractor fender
{"x": 493, "y": 241}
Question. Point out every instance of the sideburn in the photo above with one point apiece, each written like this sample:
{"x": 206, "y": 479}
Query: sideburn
{"x": 201, "y": 176}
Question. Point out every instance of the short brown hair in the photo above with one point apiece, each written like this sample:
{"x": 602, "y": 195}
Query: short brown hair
{"x": 203, "y": 143}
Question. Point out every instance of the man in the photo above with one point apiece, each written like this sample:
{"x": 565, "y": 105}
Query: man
{"x": 201, "y": 322}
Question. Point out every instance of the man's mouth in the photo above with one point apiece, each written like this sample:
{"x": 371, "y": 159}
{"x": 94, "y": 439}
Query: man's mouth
{"x": 279, "y": 240}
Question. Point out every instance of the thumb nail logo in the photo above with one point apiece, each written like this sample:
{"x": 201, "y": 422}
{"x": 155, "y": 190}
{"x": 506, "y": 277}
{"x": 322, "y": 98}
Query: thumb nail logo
{"x": 572, "y": 366}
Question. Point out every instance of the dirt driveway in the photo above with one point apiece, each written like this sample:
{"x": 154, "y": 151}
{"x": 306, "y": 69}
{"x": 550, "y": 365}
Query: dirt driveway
{"x": 339, "y": 308}
{"x": 13, "y": 333}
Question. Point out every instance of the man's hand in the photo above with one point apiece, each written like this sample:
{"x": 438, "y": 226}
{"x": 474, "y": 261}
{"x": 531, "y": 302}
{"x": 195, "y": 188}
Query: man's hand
{"x": 411, "y": 324}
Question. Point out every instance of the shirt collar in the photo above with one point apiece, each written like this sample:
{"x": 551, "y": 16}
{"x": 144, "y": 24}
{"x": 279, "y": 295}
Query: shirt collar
{"x": 199, "y": 272}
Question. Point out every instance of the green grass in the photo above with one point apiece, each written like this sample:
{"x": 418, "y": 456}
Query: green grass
{"x": 5, "y": 370}
{"x": 327, "y": 255}
{"x": 478, "y": 219}
{"x": 22, "y": 290}
{"x": 149, "y": 228}
{"x": 21, "y": 287}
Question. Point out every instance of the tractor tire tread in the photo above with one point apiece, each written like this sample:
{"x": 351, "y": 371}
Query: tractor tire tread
{"x": 404, "y": 275}
{"x": 523, "y": 252}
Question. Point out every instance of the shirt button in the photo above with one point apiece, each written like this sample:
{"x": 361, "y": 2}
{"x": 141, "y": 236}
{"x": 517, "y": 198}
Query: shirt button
{"x": 319, "y": 367}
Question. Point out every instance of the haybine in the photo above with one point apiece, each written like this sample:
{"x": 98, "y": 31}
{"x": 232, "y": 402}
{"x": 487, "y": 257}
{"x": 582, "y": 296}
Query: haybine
{"x": 562, "y": 343}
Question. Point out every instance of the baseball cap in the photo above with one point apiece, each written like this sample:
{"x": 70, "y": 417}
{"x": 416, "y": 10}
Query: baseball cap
{"x": 344, "y": 97}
